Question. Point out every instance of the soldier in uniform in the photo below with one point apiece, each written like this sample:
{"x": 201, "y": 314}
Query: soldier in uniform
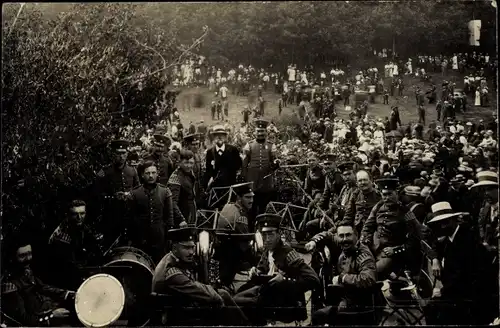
{"x": 150, "y": 213}
{"x": 159, "y": 155}
{"x": 282, "y": 297}
{"x": 222, "y": 162}
{"x": 193, "y": 303}
{"x": 192, "y": 142}
{"x": 26, "y": 300}
{"x": 390, "y": 231}
{"x": 182, "y": 184}
{"x": 235, "y": 219}
{"x": 354, "y": 275}
{"x": 72, "y": 246}
{"x": 113, "y": 182}
{"x": 258, "y": 166}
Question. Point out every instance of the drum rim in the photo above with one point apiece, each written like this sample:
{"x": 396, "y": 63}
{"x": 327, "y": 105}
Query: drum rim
{"x": 138, "y": 250}
{"x": 116, "y": 317}
{"x": 150, "y": 270}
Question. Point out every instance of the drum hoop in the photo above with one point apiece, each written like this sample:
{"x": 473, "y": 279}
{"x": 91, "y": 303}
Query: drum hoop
{"x": 100, "y": 275}
{"x": 130, "y": 261}
{"x": 129, "y": 249}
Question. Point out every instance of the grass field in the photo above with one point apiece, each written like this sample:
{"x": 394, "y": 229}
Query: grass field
{"x": 407, "y": 105}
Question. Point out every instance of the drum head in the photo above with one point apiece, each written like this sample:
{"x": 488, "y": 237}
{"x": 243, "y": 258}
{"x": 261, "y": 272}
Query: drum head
{"x": 99, "y": 301}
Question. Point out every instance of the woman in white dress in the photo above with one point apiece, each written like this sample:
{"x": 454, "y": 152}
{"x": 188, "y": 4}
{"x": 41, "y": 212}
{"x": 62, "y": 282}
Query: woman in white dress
{"x": 454, "y": 62}
{"x": 395, "y": 70}
{"x": 477, "y": 101}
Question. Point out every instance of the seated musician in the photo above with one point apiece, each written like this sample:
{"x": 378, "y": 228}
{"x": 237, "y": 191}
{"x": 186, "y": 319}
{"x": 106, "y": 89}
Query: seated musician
{"x": 290, "y": 277}
{"x": 390, "y": 231}
{"x": 26, "y": 300}
{"x": 191, "y": 302}
{"x": 234, "y": 219}
{"x": 72, "y": 246}
{"x": 354, "y": 275}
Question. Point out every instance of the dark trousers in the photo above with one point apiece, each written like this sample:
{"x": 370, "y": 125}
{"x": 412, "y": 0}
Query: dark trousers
{"x": 231, "y": 259}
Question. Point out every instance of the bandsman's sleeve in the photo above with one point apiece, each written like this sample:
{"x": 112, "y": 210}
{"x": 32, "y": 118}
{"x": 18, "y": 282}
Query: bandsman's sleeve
{"x": 299, "y": 274}
{"x": 367, "y": 276}
{"x": 350, "y": 208}
{"x": 174, "y": 185}
{"x": 13, "y": 306}
{"x": 53, "y": 292}
{"x": 324, "y": 237}
{"x": 180, "y": 285}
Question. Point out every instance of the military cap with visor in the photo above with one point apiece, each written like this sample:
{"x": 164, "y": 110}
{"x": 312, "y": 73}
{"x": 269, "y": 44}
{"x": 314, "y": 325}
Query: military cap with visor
{"x": 346, "y": 167}
{"x": 161, "y": 140}
{"x": 261, "y": 123}
{"x": 268, "y": 221}
{"x": 192, "y": 138}
{"x": 242, "y": 189}
{"x": 182, "y": 235}
{"x": 389, "y": 183}
{"x": 120, "y": 146}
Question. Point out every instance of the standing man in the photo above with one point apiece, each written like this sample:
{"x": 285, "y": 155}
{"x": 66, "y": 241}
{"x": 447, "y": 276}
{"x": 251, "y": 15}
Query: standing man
{"x": 223, "y": 161}
{"x": 224, "y": 91}
{"x": 259, "y": 164}
{"x": 192, "y": 142}
{"x": 151, "y": 213}
{"x": 159, "y": 155}
{"x": 182, "y": 184}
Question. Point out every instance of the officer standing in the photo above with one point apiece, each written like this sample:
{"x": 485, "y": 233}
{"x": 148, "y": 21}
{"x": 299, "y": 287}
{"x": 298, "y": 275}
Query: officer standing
{"x": 259, "y": 164}
{"x": 235, "y": 219}
{"x": 282, "y": 297}
{"x": 112, "y": 184}
{"x": 390, "y": 230}
{"x": 159, "y": 155}
{"x": 193, "y": 303}
{"x": 151, "y": 213}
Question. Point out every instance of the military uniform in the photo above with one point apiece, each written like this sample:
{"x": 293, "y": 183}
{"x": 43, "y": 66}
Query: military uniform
{"x": 29, "y": 301}
{"x": 282, "y": 300}
{"x": 359, "y": 207}
{"x": 70, "y": 251}
{"x": 182, "y": 186}
{"x": 192, "y": 303}
{"x": 151, "y": 214}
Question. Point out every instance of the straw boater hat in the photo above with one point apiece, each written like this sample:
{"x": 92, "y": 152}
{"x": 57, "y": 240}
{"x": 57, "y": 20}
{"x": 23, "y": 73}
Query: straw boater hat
{"x": 443, "y": 210}
{"x": 486, "y": 178}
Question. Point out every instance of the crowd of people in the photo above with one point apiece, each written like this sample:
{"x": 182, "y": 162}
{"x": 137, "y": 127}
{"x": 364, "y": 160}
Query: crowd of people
{"x": 375, "y": 191}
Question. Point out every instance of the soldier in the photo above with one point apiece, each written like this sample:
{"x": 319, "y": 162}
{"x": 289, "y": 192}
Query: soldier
{"x": 192, "y": 142}
{"x": 223, "y": 161}
{"x": 192, "y": 302}
{"x": 259, "y": 164}
{"x": 26, "y": 300}
{"x": 390, "y": 230}
{"x": 235, "y": 219}
{"x": 72, "y": 246}
{"x": 283, "y": 294}
{"x": 151, "y": 213}
{"x": 182, "y": 184}
{"x": 354, "y": 275}
{"x": 112, "y": 184}
{"x": 202, "y": 131}
{"x": 159, "y": 155}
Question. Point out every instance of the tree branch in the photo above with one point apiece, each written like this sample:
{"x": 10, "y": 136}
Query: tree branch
{"x": 152, "y": 49}
{"x": 15, "y": 19}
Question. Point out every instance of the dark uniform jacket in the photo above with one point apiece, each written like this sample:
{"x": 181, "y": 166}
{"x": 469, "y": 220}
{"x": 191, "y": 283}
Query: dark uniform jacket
{"x": 188, "y": 296}
{"x": 25, "y": 298}
{"x": 359, "y": 207}
{"x": 113, "y": 179}
{"x": 357, "y": 273}
{"x": 333, "y": 185}
{"x": 258, "y": 165}
{"x": 314, "y": 183}
{"x": 222, "y": 169}
{"x": 151, "y": 215}
{"x": 339, "y": 204}
{"x": 165, "y": 166}
{"x": 182, "y": 186}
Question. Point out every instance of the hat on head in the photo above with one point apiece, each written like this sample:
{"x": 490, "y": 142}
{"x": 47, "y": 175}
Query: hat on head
{"x": 412, "y": 190}
{"x": 134, "y": 159}
{"x": 346, "y": 167}
{"x": 443, "y": 210}
{"x": 268, "y": 221}
{"x": 160, "y": 140}
{"x": 388, "y": 183}
{"x": 469, "y": 183}
{"x": 190, "y": 138}
{"x": 328, "y": 158}
{"x": 218, "y": 129}
{"x": 261, "y": 123}
{"x": 486, "y": 178}
{"x": 119, "y": 145}
{"x": 182, "y": 235}
{"x": 241, "y": 189}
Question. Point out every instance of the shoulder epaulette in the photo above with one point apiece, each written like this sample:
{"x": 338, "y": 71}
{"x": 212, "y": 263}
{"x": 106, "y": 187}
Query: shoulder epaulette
{"x": 60, "y": 235}
{"x": 292, "y": 256}
{"x": 174, "y": 179}
{"x": 172, "y": 271}
{"x": 362, "y": 256}
{"x": 8, "y": 287}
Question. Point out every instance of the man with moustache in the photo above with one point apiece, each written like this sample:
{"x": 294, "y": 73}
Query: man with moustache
{"x": 159, "y": 154}
{"x": 72, "y": 246}
{"x": 361, "y": 203}
{"x": 182, "y": 184}
{"x": 222, "y": 163}
{"x": 191, "y": 302}
{"x": 26, "y": 300}
{"x": 151, "y": 213}
{"x": 258, "y": 166}
{"x": 354, "y": 277}
{"x": 235, "y": 220}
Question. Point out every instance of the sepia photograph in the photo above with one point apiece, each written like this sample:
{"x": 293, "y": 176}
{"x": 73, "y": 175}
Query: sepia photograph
{"x": 260, "y": 163}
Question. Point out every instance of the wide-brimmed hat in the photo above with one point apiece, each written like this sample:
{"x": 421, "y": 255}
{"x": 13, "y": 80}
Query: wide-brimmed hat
{"x": 442, "y": 211}
{"x": 486, "y": 178}
{"x": 412, "y": 190}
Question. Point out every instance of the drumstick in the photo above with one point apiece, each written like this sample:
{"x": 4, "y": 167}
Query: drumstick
{"x": 112, "y": 245}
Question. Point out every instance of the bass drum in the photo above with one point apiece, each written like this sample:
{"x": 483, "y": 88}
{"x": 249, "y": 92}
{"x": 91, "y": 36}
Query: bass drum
{"x": 134, "y": 269}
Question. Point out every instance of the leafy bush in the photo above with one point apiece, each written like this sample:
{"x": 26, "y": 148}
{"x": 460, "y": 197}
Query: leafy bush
{"x": 68, "y": 81}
